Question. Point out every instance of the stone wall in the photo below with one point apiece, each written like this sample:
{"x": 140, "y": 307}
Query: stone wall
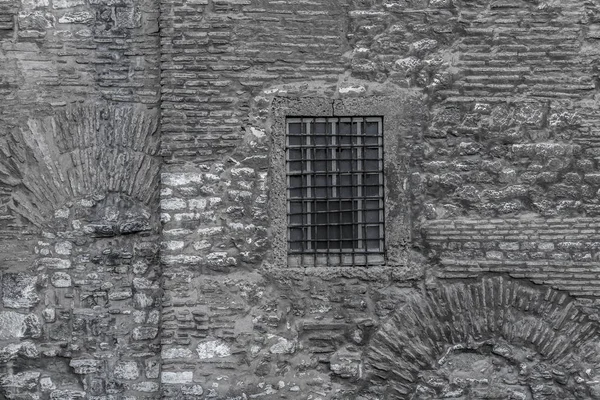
{"x": 79, "y": 185}
{"x": 140, "y": 199}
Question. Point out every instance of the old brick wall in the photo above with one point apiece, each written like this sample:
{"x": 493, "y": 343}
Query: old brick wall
{"x": 79, "y": 177}
{"x": 495, "y": 200}
{"x": 500, "y": 182}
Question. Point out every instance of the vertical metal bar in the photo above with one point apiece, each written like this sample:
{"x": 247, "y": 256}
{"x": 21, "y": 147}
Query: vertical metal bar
{"x": 360, "y": 163}
{"x": 327, "y": 185}
{"x": 288, "y": 179}
{"x": 306, "y": 137}
{"x": 338, "y": 175}
{"x": 334, "y": 180}
{"x": 381, "y": 182}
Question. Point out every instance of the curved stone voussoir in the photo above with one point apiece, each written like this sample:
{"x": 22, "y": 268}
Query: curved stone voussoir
{"x": 80, "y": 152}
{"x": 480, "y": 338}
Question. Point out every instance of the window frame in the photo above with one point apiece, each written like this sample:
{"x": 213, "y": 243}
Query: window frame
{"x": 359, "y": 253}
{"x": 404, "y": 118}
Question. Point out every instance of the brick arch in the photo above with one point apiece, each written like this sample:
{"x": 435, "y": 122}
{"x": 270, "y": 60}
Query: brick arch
{"x": 497, "y": 312}
{"x": 78, "y": 152}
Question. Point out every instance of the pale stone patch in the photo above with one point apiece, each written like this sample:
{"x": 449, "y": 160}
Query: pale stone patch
{"x": 180, "y": 179}
{"x": 352, "y": 89}
{"x": 283, "y": 345}
{"x": 62, "y": 213}
{"x": 213, "y": 349}
{"x": 178, "y": 352}
{"x": 177, "y": 377}
{"x": 172, "y": 204}
{"x": 210, "y": 231}
{"x": 197, "y": 204}
{"x": 127, "y": 370}
{"x": 258, "y": 133}
{"x": 47, "y": 384}
{"x": 201, "y": 245}
{"x": 31, "y": 4}
{"x": 63, "y": 248}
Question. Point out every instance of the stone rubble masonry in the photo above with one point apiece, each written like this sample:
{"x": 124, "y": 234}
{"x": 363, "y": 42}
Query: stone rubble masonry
{"x": 138, "y": 200}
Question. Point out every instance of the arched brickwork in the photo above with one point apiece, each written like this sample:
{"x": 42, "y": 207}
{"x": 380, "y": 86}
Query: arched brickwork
{"x": 544, "y": 342}
{"x": 80, "y": 152}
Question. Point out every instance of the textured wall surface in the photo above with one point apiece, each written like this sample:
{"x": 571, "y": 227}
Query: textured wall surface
{"x": 141, "y": 214}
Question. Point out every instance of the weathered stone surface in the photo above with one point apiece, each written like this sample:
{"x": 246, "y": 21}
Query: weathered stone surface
{"x": 86, "y": 366}
{"x": 61, "y": 280}
{"x": 176, "y": 377}
{"x": 15, "y": 325}
{"x": 23, "y": 349}
{"x": 127, "y": 370}
{"x": 143, "y": 200}
{"x": 19, "y": 290}
{"x": 212, "y": 349}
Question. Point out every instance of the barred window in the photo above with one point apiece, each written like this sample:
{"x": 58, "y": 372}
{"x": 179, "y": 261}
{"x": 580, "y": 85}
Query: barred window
{"x": 335, "y": 199}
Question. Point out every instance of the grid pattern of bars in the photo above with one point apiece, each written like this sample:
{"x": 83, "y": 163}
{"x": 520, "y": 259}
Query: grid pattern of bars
{"x": 335, "y": 191}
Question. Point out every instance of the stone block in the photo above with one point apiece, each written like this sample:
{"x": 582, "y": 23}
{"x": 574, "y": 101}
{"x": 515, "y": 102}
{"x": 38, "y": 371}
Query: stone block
{"x": 77, "y": 17}
{"x": 213, "y": 349}
{"x": 177, "y": 377}
{"x": 61, "y": 280}
{"x": 86, "y": 366}
{"x": 58, "y": 4}
{"x": 127, "y": 370}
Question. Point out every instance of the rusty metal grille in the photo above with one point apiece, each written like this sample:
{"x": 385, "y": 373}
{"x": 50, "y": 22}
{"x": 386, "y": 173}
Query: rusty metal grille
{"x": 335, "y": 191}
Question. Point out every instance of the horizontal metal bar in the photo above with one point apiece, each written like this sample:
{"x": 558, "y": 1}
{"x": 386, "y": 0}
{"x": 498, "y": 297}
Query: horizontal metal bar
{"x": 347, "y": 251}
{"x": 313, "y": 173}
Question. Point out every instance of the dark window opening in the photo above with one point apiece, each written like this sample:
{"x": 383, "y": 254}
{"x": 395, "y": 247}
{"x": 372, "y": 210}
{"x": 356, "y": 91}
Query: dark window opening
{"x": 335, "y": 189}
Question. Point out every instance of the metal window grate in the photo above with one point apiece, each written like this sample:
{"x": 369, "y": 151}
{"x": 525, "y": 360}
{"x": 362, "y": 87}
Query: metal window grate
{"x": 335, "y": 191}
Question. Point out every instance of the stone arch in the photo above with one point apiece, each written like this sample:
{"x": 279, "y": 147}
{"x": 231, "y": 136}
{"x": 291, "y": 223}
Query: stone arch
{"x": 535, "y": 329}
{"x": 81, "y": 151}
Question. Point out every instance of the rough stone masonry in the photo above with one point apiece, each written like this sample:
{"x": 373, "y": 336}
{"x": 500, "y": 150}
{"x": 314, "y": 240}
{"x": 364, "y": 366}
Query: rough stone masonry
{"x": 142, "y": 200}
